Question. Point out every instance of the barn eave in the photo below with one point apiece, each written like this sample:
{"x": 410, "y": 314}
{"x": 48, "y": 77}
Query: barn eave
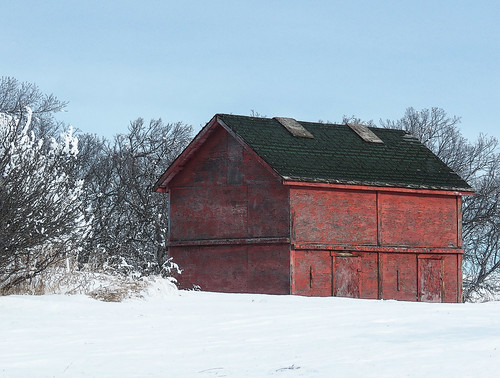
{"x": 374, "y": 185}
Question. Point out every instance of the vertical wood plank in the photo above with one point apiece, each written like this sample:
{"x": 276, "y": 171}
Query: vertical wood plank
{"x": 459, "y": 221}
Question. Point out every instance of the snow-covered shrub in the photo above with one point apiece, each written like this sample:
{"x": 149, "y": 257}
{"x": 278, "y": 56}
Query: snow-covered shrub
{"x": 41, "y": 213}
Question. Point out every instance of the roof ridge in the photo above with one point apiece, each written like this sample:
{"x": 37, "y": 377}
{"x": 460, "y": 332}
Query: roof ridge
{"x": 309, "y": 122}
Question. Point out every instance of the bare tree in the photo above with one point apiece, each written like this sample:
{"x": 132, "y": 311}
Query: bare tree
{"x": 479, "y": 164}
{"x": 130, "y": 222}
{"x": 15, "y": 96}
{"x": 95, "y": 167}
{"x": 355, "y": 120}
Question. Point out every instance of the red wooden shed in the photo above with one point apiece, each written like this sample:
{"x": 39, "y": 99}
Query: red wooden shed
{"x": 277, "y": 206}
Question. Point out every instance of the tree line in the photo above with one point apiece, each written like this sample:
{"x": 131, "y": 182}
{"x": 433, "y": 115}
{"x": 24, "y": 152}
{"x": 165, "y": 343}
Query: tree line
{"x": 86, "y": 201}
{"x": 82, "y": 201}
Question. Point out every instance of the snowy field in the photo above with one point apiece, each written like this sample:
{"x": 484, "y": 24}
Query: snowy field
{"x": 197, "y": 334}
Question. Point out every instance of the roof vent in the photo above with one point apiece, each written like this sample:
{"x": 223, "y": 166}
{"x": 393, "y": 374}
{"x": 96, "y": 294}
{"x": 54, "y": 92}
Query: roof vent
{"x": 365, "y": 133}
{"x": 295, "y": 128}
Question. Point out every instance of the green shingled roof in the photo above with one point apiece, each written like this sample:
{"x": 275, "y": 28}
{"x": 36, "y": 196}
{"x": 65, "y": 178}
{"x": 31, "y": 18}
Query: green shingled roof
{"x": 337, "y": 154}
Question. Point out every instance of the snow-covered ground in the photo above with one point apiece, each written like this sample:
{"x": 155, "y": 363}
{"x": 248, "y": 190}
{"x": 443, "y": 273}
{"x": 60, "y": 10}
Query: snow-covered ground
{"x": 199, "y": 334}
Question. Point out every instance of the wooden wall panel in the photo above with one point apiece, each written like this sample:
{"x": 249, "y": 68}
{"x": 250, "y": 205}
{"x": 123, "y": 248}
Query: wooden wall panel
{"x": 311, "y": 273}
{"x": 208, "y": 212}
{"x": 417, "y": 220}
{"x": 234, "y": 269}
{"x": 268, "y": 210}
{"x": 334, "y": 216}
{"x": 222, "y": 268}
{"x": 450, "y": 269}
{"x": 369, "y": 275}
{"x": 398, "y": 276}
{"x": 269, "y": 269}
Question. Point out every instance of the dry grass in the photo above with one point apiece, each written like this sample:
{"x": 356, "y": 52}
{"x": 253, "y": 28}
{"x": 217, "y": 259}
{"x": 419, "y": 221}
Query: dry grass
{"x": 118, "y": 291}
{"x": 100, "y": 286}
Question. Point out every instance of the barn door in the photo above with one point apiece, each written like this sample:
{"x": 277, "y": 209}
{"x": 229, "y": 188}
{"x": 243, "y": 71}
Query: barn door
{"x": 430, "y": 279}
{"x": 346, "y": 276}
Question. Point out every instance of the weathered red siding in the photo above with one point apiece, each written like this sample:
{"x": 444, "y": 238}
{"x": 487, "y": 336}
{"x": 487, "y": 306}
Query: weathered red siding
{"x": 398, "y": 276}
{"x": 371, "y": 275}
{"x": 234, "y": 268}
{"x": 417, "y": 220}
{"x": 311, "y": 273}
{"x": 355, "y": 275}
{"x": 337, "y": 273}
{"x": 224, "y": 192}
{"x": 231, "y": 219}
{"x": 335, "y": 217}
{"x": 375, "y": 244}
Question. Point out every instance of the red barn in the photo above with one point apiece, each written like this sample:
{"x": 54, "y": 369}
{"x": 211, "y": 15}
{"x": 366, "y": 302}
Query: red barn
{"x": 272, "y": 205}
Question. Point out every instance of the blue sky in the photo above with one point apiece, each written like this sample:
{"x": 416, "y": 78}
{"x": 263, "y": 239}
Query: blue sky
{"x": 115, "y": 61}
